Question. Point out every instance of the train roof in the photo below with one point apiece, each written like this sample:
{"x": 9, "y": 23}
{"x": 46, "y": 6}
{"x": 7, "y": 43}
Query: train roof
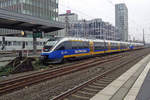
{"x": 98, "y": 40}
{"x": 7, "y": 38}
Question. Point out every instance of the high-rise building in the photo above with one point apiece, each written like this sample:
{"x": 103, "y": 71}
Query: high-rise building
{"x": 44, "y": 9}
{"x": 121, "y": 20}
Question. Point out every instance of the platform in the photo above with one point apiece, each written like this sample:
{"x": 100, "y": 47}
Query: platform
{"x": 134, "y": 84}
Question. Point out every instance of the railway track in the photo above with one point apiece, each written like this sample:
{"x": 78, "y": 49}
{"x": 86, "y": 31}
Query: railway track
{"x": 23, "y": 81}
{"x": 89, "y": 88}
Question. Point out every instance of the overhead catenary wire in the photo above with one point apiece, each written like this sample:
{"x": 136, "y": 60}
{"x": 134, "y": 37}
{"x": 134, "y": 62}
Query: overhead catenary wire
{"x": 136, "y": 29}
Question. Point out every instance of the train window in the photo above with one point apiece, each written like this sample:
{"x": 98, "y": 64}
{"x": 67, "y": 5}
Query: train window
{"x": 79, "y": 45}
{"x": 123, "y": 46}
{"x": 74, "y": 45}
{"x": 106, "y": 45}
{"x": 67, "y": 45}
{"x": 85, "y": 45}
{"x": 98, "y": 45}
{"x": 114, "y": 46}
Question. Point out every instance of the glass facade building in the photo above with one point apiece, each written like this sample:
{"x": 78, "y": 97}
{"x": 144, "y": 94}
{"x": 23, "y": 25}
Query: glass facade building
{"x": 121, "y": 20}
{"x": 95, "y": 28}
{"x": 44, "y": 9}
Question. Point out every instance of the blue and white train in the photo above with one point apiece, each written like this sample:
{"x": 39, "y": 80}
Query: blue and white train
{"x": 57, "y": 49}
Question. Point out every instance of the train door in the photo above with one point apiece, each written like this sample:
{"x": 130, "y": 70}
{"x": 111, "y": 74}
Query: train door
{"x": 91, "y": 47}
{"x": 109, "y": 46}
{"x": 119, "y": 46}
{"x": 105, "y": 47}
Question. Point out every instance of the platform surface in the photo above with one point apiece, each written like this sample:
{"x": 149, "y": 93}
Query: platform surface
{"x": 134, "y": 84}
{"x": 144, "y": 93}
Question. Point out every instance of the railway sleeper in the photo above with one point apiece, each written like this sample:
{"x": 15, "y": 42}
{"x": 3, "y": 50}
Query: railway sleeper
{"x": 85, "y": 92}
{"x": 78, "y": 97}
{"x": 90, "y": 89}
{"x": 101, "y": 82}
{"x": 104, "y": 80}
{"x": 97, "y": 87}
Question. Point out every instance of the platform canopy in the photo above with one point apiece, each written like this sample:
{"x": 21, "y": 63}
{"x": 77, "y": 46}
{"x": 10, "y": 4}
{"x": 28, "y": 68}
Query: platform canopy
{"x": 12, "y": 20}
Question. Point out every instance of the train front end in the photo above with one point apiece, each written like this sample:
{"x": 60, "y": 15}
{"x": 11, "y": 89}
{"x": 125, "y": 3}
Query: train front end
{"x": 48, "y": 50}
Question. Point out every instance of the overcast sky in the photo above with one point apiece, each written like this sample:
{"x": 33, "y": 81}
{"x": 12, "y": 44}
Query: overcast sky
{"x": 139, "y": 13}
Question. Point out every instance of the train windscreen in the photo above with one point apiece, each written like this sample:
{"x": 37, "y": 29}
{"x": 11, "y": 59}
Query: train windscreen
{"x": 50, "y": 44}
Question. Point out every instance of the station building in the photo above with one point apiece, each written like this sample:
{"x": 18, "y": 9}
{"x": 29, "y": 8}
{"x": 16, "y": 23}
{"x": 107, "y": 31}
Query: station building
{"x": 44, "y": 9}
